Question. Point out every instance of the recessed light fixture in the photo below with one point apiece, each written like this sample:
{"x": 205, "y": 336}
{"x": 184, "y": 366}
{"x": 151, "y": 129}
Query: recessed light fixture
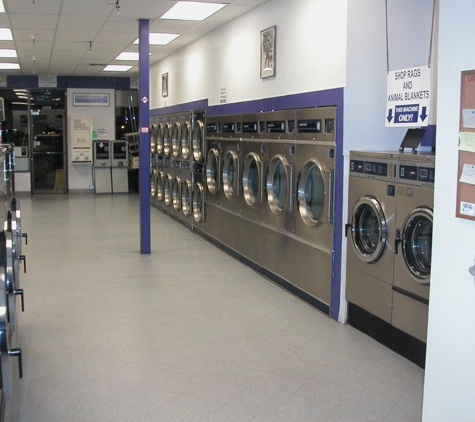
{"x": 2, "y": 7}
{"x": 192, "y": 11}
{"x": 129, "y": 55}
{"x": 157, "y": 38}
{"x": 9, "y": 66}
{"x": 117, "y": 68}
{"x": 7, "y": 52}
{"x": 6, "y": 34}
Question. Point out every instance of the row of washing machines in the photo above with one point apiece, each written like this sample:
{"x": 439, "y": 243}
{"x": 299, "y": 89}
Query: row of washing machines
{"x": 11, "y": 236}
{"x": 259, "y": 185}
{"x": 391, "y": 196}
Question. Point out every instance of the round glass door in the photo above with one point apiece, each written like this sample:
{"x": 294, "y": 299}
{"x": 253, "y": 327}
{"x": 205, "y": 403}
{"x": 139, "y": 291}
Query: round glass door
{"x": 185, "y": 141}
{"x": 153, "y": 185}
{"x": 198, "y": 202}
{"x": 197, "y": 141}
{"x": 159, "y": 144}
{"x": 230, "y": 175}
{"x": 212, "y": 171}
{"x": 160, "y": 185}
{"x": 368, "y": 229}
{"x": 166, "y": 140}
{"x": 417, "y": 243}
{"x": 167, "y": 190}
{"x": 153, "y": 139}
{"x": 176, "y": 140}
{"x": 251, "y": 179}
{"x": 176, "y": 193}
{"x": 277, "y": 184}
{"x": 186, "y": 193}
{"x": 311, "y": 193}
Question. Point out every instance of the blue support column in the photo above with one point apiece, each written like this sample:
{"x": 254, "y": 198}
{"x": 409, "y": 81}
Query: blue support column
{"x": 144, "y": 136}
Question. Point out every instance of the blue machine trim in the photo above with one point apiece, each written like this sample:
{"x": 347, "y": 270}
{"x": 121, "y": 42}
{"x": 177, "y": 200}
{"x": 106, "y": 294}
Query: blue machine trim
{"x": 180, "y": 108}
{"x": 144, "y": 138}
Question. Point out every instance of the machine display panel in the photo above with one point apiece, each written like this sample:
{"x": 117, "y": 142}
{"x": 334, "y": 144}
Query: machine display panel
{"x": 309, "y": 126}
{"x": 249, "y": 127}
{"x": 426, "y": 174}
{"x": 375, "y": 168}
{"x": 408, "y": 172}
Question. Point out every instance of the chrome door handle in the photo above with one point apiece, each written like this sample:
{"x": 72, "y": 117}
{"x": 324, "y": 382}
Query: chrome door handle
{"x": 25, "y": 235}
{"x": 16, "y": 353}
{"x": 19, "y": 292}
{"x": 23, "y": 258}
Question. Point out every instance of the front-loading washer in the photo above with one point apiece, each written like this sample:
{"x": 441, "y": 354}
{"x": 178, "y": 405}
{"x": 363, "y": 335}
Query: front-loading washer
{"x": 371, "y": 231}
{"x": 175, "y": 137}
{"x": 198, "y": 134}
{"x": 412, "y": 262}
{"x": 153, "y": 187}
{"x": 187, "y": 193}
{"x": 160, "y": 131}
{"x": 167, "y": 137}
{"x": 231, "y": 163}
{"x": 176, "y": 186}
{"x": 253, "y": 155}
{"x": 167, "y": 182}
{"x": 159, "y": 182}
{"x": 214, "y": 149}
{"x": 185, "y": 138}
{"x": 198, "y": 205}
{"x": 280, "y": 181}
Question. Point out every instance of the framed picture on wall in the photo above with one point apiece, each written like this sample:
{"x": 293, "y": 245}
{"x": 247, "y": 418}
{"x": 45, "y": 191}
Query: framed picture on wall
{"x": 268, "y": 52}
{"x": 91, "y": 100}
{"x": 165, "y": 85}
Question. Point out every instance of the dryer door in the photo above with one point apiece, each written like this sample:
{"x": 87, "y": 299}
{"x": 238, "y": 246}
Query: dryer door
{"x": 198, "y": 202}
{"x": 186, "y": 192}
{"x": 185, "y": 141}
{"x": 253, "y": 180}
{"x": 368, "y": 229}
{"x": 417, "y": 243}
{"x": 213, "y": 171}
{"x": 159, "y": 139}
{"x": 166, "y": 139}
{"x": 167, "y": 189}
{"x": 279, "y": 185}
{"x": 153, "y": 186}
{"x": 197, "y": 141}
{"x": 176, "y": 193}
{"x": 153, "y": 139}
{"x": 176, "y": 140}
{"x": 231, "y": 175}
{"x": 313, "y": 188}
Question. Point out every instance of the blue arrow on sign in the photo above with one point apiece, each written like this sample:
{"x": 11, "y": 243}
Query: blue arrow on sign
{"x": 423, "y": 114}
{"x": 390, "y": 115}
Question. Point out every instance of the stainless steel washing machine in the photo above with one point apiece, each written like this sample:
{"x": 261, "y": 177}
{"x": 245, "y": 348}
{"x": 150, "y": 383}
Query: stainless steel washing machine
{"x": 198, "y": 136}
{"x": 187, "y": 193}
{"x": 153, "y": 188}
{"x": 198, "y": 205}
{"x": 167, "y": 137}
{"x": 160, "y": 131}
{"x": 175, "y": 136}
{"x": 371, "y": 231}
{"x": 159, "y": 182}
{"x": 253, "y": 197}
{"x": 280, "y": 182}
{"x": 412, "y": 262}
{"x": 185, "y": 139}
{"x": 176, "y": 186}
{"x": 213, "y": 166}
{"x": 167, "y": 185}
{"x": 231, "y": 162}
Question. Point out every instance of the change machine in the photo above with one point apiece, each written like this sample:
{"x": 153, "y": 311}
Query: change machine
{"x": 120, "y": 164}
{"x": 102, "y": 167}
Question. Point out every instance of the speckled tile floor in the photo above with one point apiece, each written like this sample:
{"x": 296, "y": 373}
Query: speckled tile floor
{"x": 184, "y": 334}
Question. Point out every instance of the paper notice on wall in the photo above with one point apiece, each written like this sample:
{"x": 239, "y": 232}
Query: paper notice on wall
{"x": 468, "y": 174}
{"x": 467, "y": 208}
{"x": 467, "y": 141}
{"x": 468, "y": 118}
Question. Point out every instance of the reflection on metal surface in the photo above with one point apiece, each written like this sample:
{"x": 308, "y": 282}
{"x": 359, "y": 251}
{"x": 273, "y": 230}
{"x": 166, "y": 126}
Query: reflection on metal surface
{"x": 213, "y": 171}
{"x": 197, "y": 141}
{"x": 186, "y": 196}
{"x": 231, "y": 175}
{"x": 311, "y": 193}
{"x": 186, "y": 141}
{"x": 198, "y": 203}
{"x": 252, "y": 180}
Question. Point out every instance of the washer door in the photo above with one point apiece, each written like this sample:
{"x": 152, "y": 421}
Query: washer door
{"x": 166, "y": 140}
{"x": 186, "y": 193}
{"x": 167, "y": 190}
{"x": 153, "y": 139}
{"x": 252, "y": 180}
{"x": 368, "y": 229}
{"x": 176, "y": 140}
{"x": 185, "y": 141}
{"x": 213, "y": 171}
{"x": 231, "y": 175}
{"x": 153, "y": 185}
{"x": 159, "y": 144}
{"x": 279, "y": 185}
{"x": 198, "y": 203}
{"x": 197, "y": 141}
{"x": 311, "y": 193}
{"x": 417, "y": 243}
{"x": 176, "y": 193}
{"x": 160, "y": 185}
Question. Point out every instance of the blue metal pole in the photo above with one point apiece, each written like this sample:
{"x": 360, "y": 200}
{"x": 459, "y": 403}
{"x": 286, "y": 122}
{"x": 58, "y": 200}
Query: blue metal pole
{"x": 144, "y": 136}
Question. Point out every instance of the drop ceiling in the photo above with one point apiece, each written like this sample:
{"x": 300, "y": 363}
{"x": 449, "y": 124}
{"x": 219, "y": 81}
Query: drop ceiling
{"x": 53, "y": 37}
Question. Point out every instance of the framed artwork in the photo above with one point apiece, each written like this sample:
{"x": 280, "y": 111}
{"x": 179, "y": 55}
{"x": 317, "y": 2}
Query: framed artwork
{"x": 268, "y": 52}
{"x": 165, "y": 84}
{"x": 91, "y": 100}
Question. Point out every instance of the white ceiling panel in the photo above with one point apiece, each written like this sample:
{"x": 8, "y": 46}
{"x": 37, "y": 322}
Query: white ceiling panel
{"x": 63, "y": 29}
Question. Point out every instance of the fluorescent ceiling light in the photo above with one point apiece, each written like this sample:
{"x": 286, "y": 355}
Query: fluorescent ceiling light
{"x": 129, "y": 55}
{"x": 8, "y": 66}
{"x": 192, "y": 11}
{"x": 2, "y": 7}
{"x": 156, "y": 38}
{"x": 6, "y": 34}
{"x": 117, "y": 68}
{"x": 7, "y": 52}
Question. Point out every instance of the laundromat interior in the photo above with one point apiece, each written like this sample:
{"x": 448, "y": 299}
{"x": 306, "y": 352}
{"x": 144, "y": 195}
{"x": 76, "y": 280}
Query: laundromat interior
{"x": 265, "y": 213}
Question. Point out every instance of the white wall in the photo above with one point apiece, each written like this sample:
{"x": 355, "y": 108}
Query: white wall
{"x": 450, "y": 368}
{"x": 310, "y": 55}
{"x": 80, "y": 175}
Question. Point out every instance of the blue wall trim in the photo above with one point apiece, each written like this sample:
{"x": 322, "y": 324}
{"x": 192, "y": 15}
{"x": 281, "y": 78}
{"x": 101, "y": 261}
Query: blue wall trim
{"x": 180, "y": 108}
{"x": 71, "y": 82}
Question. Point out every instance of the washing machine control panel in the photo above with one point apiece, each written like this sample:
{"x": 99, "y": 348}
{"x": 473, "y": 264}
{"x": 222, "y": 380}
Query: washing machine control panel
{"x": 373, "y": 169}
{"x": 420, "y": 175}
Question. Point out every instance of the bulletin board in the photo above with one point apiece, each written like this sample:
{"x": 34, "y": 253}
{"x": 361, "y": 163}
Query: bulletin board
{"x": 81, "y": 142}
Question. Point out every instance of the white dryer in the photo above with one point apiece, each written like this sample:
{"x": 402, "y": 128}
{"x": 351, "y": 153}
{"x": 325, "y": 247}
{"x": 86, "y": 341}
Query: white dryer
{"x": 412, "y": 265}
{"x": 371, "y": 231}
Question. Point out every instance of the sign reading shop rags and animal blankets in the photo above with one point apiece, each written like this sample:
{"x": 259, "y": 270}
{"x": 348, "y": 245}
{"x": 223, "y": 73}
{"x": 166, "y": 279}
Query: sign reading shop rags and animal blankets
{"x": 408, "y": 97}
